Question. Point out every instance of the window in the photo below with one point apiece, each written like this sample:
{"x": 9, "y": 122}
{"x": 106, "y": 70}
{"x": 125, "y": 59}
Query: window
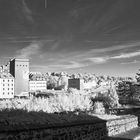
{"x": 11, "y": 84}
{"x": 3, "y": 89}
{"x": 8, "y": 93}
{"x": 8, "y": 88}
{"x": 3, "y": 84}
{"x": 3, "y": 80}
{"x": 17, "y": 65}
{"x": 8, "y": 84}
{"x": 11, "y": 88}
{"x": 8, "y": 80}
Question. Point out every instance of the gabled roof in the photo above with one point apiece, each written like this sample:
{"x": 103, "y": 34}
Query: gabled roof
{"x": 6, "y": 76}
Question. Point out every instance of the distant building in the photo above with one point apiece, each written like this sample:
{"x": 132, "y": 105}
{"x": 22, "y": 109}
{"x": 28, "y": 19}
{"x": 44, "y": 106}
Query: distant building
{"x": 32, "y": 72}
{"x": 36, "y": 77}
{"x": 6, "y": 86}
{"x": 75, "y": 83}
{"x": 19, "y": 69}
{"x": 89, "y": 84}
{"x": 37, "y": 82}
{"x": 4, "y": 68}
{"x": 37, "y": 85}
{"x": 81, "y": 84}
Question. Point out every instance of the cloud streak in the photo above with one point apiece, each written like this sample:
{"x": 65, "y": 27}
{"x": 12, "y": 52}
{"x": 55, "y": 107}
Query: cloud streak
{"x": 27, "y": 12}
{"x": 98, "y": 60}
{"x": 127, "y": 55}
{"x": 71, "y": 65}
{"x": 27, "y": 52}
{"x": 132, "y": 62}
{"x": 116, "y": 47}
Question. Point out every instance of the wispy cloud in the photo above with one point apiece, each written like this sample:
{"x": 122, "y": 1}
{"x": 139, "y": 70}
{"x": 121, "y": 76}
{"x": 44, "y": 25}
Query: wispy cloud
{"x": 108, "y": 51}
{"x": 29, "y": 40}
{"x": 24, "y": 13}
{"x": 132, "y": 62}
{"x": 116, "y": 47}
{"x": 69, "y": 65}
{"x": 27, "y": 12}
{"x": 27, "y": 52}
{"x": 55, "y": 45}
{"x": 98, "y": 60}
{"x": 127, "y": 55}
{"x": 39, "y": 66}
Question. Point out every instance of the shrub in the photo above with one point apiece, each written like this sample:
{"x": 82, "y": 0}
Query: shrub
{"x": 68, "y": 101}
{"x": 99, "y": 108}
{"x": 107, "y": 102}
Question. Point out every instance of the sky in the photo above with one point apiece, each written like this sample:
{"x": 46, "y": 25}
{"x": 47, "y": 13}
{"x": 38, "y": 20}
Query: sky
{"x": 96, "y": 36}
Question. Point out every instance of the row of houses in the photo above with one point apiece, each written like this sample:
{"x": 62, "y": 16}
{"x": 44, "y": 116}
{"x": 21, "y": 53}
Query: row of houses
{"x": 7, "y": 85}
{"x": 15, "y": 80}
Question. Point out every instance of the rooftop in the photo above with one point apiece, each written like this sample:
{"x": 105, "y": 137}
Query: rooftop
{"x": 36, "y": 77}
{"x": 6, "y": 76}
{"x": 19, "y": 59}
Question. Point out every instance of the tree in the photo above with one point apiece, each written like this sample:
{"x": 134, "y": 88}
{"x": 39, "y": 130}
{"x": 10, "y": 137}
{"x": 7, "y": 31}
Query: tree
{"x": 52, "y": 82}
{"x": 138, "y": 76}
{"x": 63, "y": 82}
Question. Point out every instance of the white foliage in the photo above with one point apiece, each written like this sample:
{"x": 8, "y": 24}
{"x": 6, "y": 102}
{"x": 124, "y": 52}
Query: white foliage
{"x": 63, "y": 101}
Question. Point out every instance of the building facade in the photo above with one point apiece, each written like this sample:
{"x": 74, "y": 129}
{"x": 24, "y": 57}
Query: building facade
{"x": 75, "y": 83}
{"x": 80, "y": 84}
{"x": 19, "y": 69}
{"x": 40, "y": 85}
{"x": 6, "y": 86}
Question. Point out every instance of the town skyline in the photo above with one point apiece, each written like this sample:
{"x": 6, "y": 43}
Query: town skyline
{"x": 100, "y": 37}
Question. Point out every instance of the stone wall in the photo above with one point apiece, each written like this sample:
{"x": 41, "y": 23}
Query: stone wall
{"x": 123, "y": 124}
{"x": 95, "y": 131}
{"x": 72, "y": 131}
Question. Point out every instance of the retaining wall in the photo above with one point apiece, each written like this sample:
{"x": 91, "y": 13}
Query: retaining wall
{"x": 81, "y": 131}
{"x": 120, "y": 125}
{"x": 85, "y": 130}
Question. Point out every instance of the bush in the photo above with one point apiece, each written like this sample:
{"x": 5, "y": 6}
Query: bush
{"x": 107, "y": 101}
{"x": 99, "y": 108}
{"x": 68, "y": 101}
